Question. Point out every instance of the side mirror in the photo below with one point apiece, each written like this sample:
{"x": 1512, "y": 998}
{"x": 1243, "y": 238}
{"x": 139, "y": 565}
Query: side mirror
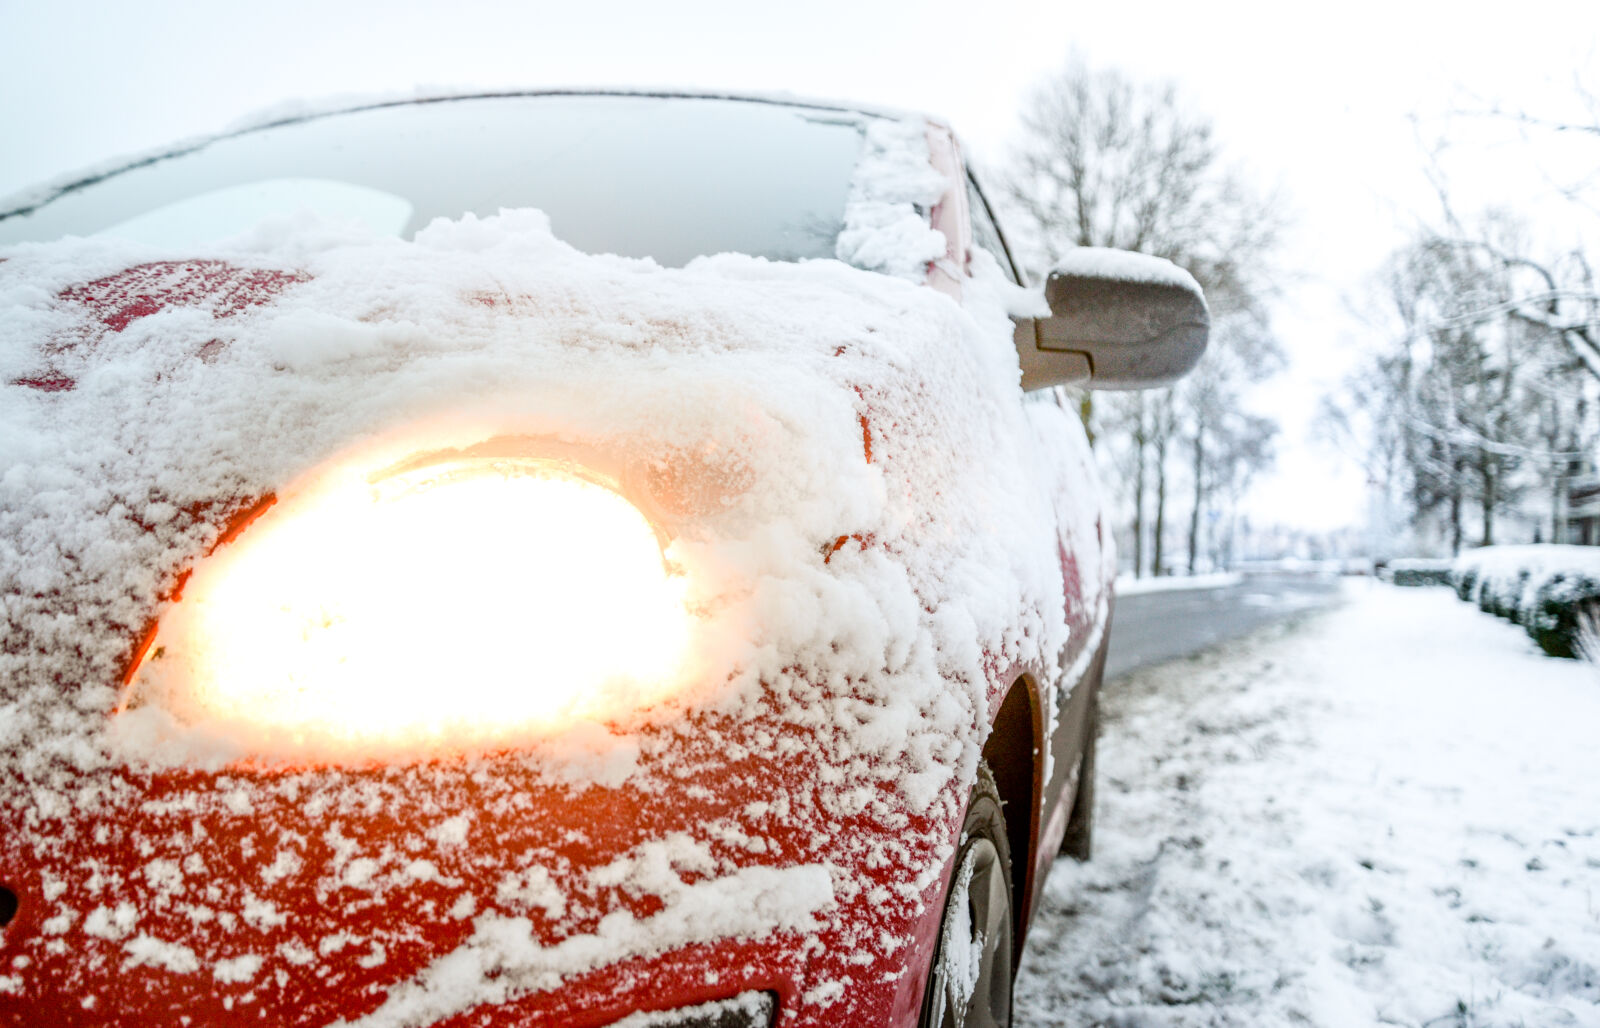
{"x": 1118, "y": 320}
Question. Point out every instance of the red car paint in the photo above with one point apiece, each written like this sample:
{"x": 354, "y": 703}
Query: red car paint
{"x": 116, "y": 301}
{"x": 727, "y": 767}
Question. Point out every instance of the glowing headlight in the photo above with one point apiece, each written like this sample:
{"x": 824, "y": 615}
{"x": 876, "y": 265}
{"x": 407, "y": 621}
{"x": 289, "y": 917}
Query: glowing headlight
{"x": 465, "y": 604}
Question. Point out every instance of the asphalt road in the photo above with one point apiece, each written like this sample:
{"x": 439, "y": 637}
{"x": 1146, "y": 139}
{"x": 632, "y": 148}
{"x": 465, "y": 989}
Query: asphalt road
{"x": 1148, "y": 628}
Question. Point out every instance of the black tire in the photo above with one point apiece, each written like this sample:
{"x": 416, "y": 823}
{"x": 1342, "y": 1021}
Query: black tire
{"x": 977, "y": 918}
{"x": 1078, "y": 841}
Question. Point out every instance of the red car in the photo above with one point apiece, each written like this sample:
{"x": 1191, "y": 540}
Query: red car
{"x": 684, "y": 606}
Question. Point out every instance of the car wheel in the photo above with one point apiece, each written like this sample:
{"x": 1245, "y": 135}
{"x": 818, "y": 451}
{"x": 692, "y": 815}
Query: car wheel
{"x": 1080, "y": 826}
{"x": 969, "y": 985}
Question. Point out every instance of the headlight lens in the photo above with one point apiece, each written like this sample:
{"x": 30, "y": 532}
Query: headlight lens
{"x": 464, "y": 604}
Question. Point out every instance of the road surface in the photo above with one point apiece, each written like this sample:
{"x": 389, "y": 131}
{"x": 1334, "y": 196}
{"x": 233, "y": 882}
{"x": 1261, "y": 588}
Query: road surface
{"x": 1148, "y": 628}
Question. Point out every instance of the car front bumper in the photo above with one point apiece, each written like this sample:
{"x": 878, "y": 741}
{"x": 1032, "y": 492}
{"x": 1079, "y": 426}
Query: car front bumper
{"x": 733, "y": 860}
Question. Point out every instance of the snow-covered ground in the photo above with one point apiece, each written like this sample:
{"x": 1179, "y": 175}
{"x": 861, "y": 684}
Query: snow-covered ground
{"x": 1388, "y": 814}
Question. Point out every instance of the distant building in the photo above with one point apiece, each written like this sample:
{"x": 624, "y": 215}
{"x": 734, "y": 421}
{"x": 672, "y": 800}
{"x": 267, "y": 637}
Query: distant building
{"x": 1582, "y": 521}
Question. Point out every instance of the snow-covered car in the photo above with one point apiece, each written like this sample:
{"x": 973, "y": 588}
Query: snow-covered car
{"x": 546, "y": 559}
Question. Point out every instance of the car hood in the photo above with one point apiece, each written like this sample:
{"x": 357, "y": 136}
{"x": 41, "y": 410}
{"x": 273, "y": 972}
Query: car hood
{"x": 872, "y": 551}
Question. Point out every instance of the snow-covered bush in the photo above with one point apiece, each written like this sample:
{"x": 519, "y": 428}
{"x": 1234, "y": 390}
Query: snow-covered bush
{"x": 1545, "y": 589}
{"x": 1561, "y": 604}
{"x": 1419, "y": 571}
{"x": 1502, "y": 594}
{"x": 1589, "y": 634}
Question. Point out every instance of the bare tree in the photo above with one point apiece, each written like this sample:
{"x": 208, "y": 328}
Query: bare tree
{"x": 1138, "y": 427}
{"x": 1131, "y": 421}
{"x": 1109, "y": 161}
{"x": 1469, "y": 406}
{"x": 1227, "y": 446}
{"x": 1555, "y": 292}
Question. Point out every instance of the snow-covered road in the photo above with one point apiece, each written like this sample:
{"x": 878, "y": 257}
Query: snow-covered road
{"x": 1386, "y": 814}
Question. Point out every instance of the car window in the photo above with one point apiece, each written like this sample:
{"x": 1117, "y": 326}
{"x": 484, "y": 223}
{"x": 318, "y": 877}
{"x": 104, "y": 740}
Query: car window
{"x": 664, "y": 177}
{"x": 985, "y": 233}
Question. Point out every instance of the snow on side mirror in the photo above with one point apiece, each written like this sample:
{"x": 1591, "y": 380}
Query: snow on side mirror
{"x": 1118, "y": 320}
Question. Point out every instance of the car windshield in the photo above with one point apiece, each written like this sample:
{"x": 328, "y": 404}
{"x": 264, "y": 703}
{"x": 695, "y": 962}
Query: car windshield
{"x": 669, "y": 178}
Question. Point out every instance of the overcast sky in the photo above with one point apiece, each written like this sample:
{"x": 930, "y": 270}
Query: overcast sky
{"x": 1316, "y": 100}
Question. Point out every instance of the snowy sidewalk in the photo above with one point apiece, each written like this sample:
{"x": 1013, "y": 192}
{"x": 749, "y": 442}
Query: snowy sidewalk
{"x": 1388, "y": 816}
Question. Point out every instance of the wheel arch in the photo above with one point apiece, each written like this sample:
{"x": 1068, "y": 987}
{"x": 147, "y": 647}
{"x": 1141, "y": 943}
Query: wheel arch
{"x": 1012, "y": 753}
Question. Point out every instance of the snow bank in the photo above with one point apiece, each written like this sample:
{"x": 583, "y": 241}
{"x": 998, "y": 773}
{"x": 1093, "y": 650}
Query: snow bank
{"x": 1128, "y": 585}
{"x": 1545, "y": 589}
{"x": 1410, "y": 571}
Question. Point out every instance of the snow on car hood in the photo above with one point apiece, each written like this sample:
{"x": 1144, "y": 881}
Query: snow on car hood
{"x": 863, "y": 409}
{"x": 890, "y": 547}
